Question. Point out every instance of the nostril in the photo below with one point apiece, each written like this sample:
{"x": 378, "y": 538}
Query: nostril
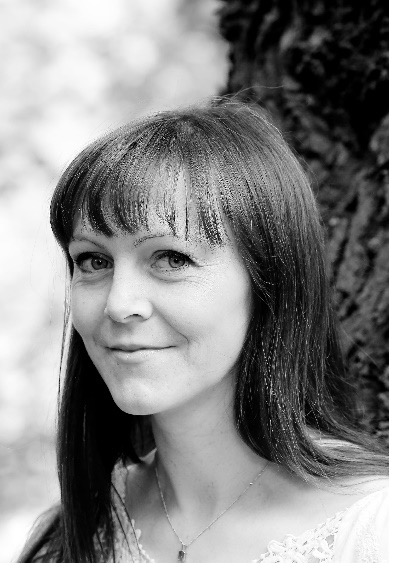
{"x": 140, "y": 308}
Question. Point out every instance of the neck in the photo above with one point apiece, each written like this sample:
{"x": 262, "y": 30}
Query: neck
{"x": 202, "y": 462}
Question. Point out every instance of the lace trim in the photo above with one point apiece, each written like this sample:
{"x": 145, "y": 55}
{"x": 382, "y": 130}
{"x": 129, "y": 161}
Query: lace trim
{"x": 314, "y": 545}
{"x": 137, "y": 533}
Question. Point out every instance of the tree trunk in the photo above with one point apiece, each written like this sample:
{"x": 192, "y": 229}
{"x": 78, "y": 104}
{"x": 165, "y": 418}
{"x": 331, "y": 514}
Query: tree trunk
{"x": 320, "y": 68}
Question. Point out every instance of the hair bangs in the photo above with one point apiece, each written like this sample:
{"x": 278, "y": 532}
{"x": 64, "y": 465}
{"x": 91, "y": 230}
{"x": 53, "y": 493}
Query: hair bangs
{"x": 144, "y": 173}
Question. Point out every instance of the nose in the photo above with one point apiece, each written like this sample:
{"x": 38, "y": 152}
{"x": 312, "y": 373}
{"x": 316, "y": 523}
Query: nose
{"x": 126, "y": 300}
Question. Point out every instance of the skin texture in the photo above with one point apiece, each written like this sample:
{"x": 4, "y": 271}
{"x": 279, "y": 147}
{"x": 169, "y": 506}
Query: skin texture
{"x": 126, "y": 293}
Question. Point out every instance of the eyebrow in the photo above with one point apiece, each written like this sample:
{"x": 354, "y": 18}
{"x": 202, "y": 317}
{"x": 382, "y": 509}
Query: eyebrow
{"x": 146, "y": 237}
{"x": 79, "y": 237}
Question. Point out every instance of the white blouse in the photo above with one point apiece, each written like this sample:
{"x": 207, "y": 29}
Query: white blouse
{"x": 356, "y": 534}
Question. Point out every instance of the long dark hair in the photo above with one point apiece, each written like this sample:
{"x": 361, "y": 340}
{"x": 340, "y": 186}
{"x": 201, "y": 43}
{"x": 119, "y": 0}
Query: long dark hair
{"x": 291, "y": 391}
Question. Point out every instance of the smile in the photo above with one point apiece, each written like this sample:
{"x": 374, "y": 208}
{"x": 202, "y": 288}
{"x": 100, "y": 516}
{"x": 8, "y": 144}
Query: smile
{"x": 135, "y": 355}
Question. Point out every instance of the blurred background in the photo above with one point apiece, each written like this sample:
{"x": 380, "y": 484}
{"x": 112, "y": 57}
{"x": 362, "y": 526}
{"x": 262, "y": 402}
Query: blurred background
{"x": 70, "y": 70}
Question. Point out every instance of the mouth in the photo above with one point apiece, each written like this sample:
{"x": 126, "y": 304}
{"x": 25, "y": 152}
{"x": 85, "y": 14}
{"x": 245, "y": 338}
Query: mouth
{"x": 135, "y": 354}
{"x": 134, "y": 349}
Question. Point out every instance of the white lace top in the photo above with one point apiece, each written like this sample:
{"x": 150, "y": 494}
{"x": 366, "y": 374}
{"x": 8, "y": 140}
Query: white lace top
{"x": 356, "y": 534}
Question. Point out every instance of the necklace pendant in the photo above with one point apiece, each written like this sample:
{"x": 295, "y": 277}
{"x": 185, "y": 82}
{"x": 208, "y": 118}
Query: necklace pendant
{"x": 182, "y": 554}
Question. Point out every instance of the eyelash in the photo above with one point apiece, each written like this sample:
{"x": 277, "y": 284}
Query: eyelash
{"x": 81, "y": 258}
{"x": 174, "y": 253}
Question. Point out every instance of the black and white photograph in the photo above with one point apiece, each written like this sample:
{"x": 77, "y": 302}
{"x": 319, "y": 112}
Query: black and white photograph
{"x": 194, "y": 299}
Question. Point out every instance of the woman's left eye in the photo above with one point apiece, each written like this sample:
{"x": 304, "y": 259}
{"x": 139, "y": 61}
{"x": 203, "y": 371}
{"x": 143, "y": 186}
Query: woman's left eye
{"x": 171, "y": 260}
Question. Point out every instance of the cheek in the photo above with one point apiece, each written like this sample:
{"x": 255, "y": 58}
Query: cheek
{"x": 231, "y": 315}
{"x": 216, "y": 319}
{"x": 87, "y": 309}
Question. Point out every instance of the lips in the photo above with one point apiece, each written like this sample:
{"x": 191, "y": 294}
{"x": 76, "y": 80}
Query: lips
{"x": 132, "y": 354}
{"x": 131, "y": 348}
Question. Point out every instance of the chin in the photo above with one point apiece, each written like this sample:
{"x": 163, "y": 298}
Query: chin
{"x": 136, "y": 403}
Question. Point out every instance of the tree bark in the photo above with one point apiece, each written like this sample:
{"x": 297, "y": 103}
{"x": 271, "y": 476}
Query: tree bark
{"x": 320, "y": 67}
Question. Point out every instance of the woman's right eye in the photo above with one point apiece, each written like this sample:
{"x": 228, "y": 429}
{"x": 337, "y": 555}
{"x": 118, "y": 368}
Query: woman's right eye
{"x": 89, "y": 262}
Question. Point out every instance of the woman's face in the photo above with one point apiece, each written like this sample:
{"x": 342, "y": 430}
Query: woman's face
{"x": 162, "y": 317}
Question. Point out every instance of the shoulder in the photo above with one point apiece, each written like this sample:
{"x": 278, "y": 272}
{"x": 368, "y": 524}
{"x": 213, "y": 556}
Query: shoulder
{"x": 363, "y": 532}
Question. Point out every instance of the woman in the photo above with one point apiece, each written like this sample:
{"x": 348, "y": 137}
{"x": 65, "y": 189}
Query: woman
{"x": 205, "y": 414}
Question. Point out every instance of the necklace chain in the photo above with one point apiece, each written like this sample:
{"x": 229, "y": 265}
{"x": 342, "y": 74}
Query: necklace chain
{"x": 185, "y": 546}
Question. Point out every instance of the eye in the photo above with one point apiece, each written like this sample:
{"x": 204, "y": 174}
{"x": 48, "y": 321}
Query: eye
{"x": 172, "y": 260}
{"x": 92, "y": 262}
